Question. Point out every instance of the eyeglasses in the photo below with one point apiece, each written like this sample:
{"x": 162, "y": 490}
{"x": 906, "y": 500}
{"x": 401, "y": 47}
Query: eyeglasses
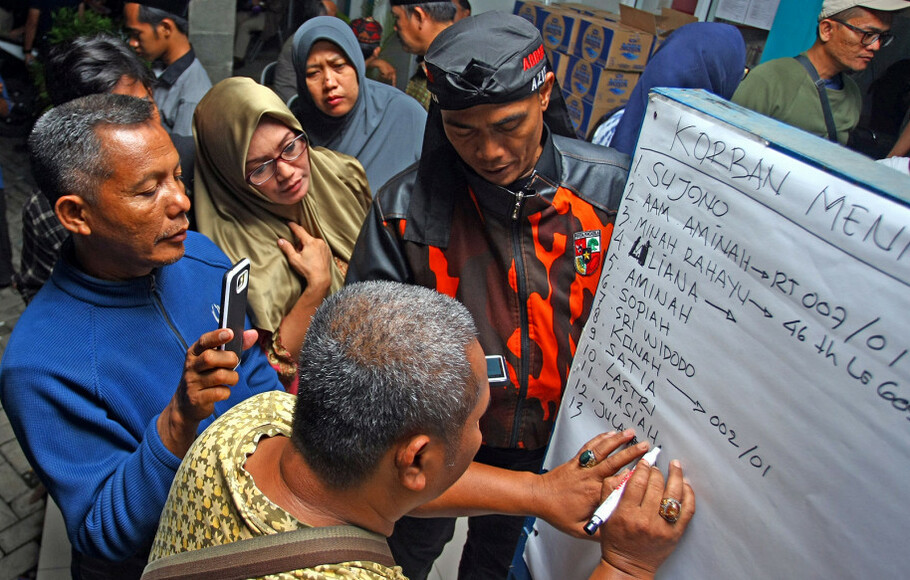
{"x": 267, "y": 170}
{"x": 869, "y": 36}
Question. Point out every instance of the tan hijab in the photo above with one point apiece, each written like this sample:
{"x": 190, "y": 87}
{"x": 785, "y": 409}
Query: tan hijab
{"x": 243, "y": 222}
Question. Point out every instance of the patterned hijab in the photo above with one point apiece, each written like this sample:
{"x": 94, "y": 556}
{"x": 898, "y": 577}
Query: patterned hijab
{"x": 243, "y": 222}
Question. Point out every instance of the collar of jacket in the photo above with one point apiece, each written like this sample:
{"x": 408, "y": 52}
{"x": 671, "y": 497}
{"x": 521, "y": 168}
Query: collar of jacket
{"x": 429, "y": 215}
{"x": 70, "y": 278}
{"x": 177, "y": 68}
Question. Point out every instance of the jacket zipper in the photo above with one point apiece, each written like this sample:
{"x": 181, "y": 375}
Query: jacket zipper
{"x": 170, "y": 323}
{"x": 524, "y": 366}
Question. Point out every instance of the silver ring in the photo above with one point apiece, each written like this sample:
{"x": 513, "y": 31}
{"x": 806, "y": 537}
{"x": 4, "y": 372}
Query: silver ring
{"x": 587, "y": 458}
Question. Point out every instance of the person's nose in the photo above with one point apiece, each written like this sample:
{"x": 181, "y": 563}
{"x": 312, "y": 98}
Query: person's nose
{"x": 180, "y": 201}
{"x": 331, "y": 80}
{"x": 488, "y": 149}
{"x": 283, "y": 169}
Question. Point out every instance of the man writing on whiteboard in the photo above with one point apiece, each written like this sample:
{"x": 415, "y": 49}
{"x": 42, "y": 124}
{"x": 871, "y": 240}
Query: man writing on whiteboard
{"x": 392, "y": 386}
{"x": 512, "y": 219}
{"x": 849, "y": 34}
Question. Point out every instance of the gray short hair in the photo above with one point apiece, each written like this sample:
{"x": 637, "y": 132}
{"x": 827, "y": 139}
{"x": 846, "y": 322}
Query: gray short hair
{"x": 437, "y": 11}
{"x": 381, "y": 361}
{"x": 66, "y": 154}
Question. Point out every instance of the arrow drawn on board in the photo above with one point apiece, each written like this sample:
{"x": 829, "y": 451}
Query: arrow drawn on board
{"x": 764, "y": 275}
{"x": 764, "y": 310}
{"x": 697, "y": 406}
{"x": 727, "y": 311}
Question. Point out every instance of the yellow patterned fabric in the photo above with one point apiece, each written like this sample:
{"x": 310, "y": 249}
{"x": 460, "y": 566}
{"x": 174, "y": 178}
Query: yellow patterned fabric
{"x": 214, "y": 501}
{"x": 417, "y": 88}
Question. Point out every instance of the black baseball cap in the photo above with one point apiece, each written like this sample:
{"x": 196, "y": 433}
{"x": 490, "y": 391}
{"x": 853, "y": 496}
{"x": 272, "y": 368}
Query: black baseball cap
{"x": 176, "y": 7}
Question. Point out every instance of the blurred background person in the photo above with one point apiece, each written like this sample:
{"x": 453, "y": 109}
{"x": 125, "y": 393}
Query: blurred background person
{"x": 689, "y": 58}
{"x": 344, "y": 111}
{"x": 369, "y": 36}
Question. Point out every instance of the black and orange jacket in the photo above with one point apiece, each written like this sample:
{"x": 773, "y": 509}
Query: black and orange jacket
{"x": 526, "y": 265}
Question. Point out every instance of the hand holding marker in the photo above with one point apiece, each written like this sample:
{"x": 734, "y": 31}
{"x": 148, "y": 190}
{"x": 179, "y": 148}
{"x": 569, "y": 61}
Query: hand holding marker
{"x": 606, "y": 508}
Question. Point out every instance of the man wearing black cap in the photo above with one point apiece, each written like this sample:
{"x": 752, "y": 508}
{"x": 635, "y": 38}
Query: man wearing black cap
{"x": 158, "y": 32}
{"x": 512, "y": 219}
{"x": 417, "y": 22}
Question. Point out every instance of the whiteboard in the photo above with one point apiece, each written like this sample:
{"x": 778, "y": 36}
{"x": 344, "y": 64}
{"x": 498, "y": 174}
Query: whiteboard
{"x": 753, "y": 319}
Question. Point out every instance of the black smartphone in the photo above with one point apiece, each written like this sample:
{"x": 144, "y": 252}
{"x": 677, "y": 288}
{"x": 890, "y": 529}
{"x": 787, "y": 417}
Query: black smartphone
{"x": 234, "y": 288}
{"x": 496, "y": 369}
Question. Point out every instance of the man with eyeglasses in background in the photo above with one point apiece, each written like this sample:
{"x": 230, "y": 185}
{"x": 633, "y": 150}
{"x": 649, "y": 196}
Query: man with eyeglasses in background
{"x": 848, "y": 35}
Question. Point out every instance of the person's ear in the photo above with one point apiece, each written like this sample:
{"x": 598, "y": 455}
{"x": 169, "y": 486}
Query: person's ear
{"x": 72, "y": 211}
{"x": 421, "y": 16}
{"x": 546, "y": 89}
{"x": 825, "y": 30}
{"x": 167, "y": 27}
{"x": 411, "y": 462}
{"x": 376, "y": 52}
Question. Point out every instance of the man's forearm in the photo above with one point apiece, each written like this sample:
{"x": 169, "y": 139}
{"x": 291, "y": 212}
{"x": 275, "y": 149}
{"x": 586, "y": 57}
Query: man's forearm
{"x": 126, "y": 504}
{"x": 902, "y": 146}
{"x": 31, "y": 30}
{"x": 484, "y": 489}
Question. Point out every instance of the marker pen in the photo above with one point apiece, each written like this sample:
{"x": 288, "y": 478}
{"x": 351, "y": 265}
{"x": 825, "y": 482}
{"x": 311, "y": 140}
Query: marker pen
{"x": 609, "y": 504}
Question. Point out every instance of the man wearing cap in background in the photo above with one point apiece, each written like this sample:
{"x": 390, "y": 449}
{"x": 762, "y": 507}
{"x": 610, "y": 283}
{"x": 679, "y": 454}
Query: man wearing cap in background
{"x": 848, "y": 35}
{"x": 511, "y": 218}
{"x": 417, "y": 23}
{"x": 369, "y": 37}
{"x": 158, "y": 32}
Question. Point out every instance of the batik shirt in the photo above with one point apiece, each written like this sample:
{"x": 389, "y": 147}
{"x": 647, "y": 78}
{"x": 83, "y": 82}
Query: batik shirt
{"x": 215, "y": 501}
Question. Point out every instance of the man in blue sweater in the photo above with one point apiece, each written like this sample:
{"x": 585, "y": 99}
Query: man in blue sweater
{"x": 114, "y": 367}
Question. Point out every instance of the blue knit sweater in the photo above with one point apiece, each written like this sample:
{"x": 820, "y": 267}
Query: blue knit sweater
{"x": 88, "y": 369}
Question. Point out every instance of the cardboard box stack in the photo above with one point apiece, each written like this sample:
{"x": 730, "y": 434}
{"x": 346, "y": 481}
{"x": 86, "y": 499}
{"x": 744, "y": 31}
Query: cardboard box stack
{"x": 597, "y": 56}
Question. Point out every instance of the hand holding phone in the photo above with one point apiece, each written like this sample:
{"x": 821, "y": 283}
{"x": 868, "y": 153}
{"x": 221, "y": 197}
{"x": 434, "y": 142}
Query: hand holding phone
{"x": 234, "y": 289}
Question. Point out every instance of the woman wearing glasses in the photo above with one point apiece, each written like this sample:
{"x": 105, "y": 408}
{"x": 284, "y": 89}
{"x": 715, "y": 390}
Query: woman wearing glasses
{"x": 294, "y": 210}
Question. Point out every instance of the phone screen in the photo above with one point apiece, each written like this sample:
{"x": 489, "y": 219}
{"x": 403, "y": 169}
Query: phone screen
{"x": 496, "y": 369}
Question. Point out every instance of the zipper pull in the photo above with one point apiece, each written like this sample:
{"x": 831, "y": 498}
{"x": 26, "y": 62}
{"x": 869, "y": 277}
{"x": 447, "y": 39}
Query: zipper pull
{"x": 526, "y": 191}
{"x": 517, "y": 208}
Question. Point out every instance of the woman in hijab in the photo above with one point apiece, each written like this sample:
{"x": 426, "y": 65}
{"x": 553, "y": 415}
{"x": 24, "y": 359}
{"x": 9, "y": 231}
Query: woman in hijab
{"x": 345, "y": 111}
{"x": 700, "y": 55}
{"x": 265, "y": 193}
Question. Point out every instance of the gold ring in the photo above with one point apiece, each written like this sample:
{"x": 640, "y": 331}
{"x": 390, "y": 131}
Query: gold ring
{"x": 670, "y": 508}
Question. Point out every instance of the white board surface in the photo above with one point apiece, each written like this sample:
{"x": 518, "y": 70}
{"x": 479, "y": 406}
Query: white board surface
{"x": 762, "y": 338}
